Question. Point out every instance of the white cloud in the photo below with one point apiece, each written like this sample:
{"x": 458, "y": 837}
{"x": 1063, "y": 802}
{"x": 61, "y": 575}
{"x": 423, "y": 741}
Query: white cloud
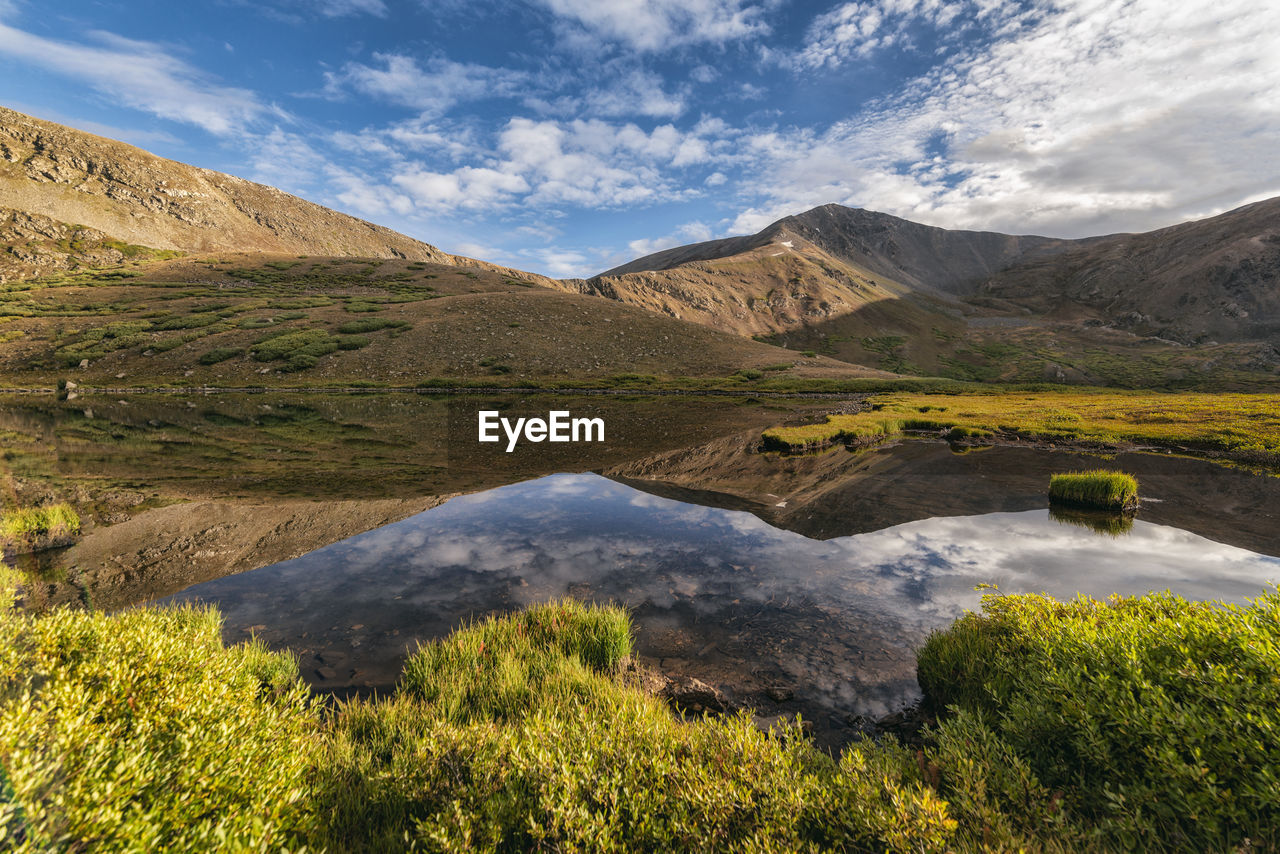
{"x": 433, "y": 89}
{"x": 859, "y": 29}
{"x": 468, "y": 188}
{"x": 690, "y": 232}
{"x": 562, "y": 263}
{"x": 639, "y": 93}
{"x": 1090, "y": 116}
{"x": 141, "y": 75}
{"x": 342, "y": 8}
{"x": 653, "y": 25}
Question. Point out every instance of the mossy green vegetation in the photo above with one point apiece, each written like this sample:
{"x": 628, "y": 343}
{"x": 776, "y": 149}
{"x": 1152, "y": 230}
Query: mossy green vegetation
{"x": 1142, "y": 722}
{"x": 1097, "y": 489}
{"x": 30, "y": 526}
{"x": 1136, "y": 723}
{"x": 142, "y": 732}
{"x": 1240, "y": 426}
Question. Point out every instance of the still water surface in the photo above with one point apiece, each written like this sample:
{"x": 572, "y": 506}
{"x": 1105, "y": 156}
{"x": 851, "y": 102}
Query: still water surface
{"x": 715, "y": 593}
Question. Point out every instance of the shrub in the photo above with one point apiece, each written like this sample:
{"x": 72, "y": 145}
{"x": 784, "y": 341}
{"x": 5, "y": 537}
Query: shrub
{"x": 189, "y": 321}
{"x": 353, "y": 342}
{"x": 1144, "y": 722}
{"x": 1098, "y": 488}
{"x": 142, "y": 732}
{"x": 514, "y": 734}
{"x": 376, "y": 324}
{"x": 299, "y": 347}
{"x": 220, "y": 354}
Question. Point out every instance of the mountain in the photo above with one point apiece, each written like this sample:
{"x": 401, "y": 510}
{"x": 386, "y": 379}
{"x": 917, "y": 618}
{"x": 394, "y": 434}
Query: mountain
{"x": 921, "y": 256}
{"x": 70, "y": 199}
{"x": 123, "y": 268}
{"x": 876, "y": 289}
{"x": 1215, "y": 278}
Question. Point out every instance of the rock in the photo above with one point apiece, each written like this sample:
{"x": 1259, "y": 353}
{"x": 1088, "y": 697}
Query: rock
{"x": 780, "y": 693}
{"x": 84, "y": 363}
{"x": 326, "y": 673}
{"x": 691, "y": 695}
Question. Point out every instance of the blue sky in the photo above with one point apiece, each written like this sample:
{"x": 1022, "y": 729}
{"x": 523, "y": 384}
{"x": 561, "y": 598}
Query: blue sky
{"x": 566, "y": 136}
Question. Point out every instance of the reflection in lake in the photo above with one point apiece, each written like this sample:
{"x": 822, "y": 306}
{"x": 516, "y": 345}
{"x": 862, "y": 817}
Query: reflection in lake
{"x": 717, "y": 594}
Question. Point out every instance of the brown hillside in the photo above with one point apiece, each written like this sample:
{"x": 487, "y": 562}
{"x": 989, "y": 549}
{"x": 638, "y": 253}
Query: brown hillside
{"x": 1217, "y": 278}
{"x": 61, "y": 187}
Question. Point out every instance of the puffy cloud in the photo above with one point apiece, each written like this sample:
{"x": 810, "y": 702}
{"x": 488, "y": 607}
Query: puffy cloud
{"x": 690, "y": 232}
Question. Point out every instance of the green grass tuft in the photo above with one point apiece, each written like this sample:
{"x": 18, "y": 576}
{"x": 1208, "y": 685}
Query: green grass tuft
{"x": 1097, "y": 489}
{"x": 142, "y": 732}
{"x": 29, "y": 526}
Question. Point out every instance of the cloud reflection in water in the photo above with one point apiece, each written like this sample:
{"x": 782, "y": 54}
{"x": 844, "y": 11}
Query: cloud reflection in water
{"x": 716, "y": 593}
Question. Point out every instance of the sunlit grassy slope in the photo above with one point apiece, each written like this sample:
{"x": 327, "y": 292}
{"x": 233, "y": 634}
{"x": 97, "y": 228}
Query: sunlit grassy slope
{"x": 1243, "y": 425}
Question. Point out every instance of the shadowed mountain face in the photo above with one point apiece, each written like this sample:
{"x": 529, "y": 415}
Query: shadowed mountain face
{"x": 1217, "y": 278}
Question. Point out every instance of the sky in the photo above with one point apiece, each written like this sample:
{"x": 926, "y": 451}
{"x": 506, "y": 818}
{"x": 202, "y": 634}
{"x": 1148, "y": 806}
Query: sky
{"x": 565, "y": 137}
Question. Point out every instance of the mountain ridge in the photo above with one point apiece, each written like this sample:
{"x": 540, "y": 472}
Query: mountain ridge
{"x": 125, "y": 194}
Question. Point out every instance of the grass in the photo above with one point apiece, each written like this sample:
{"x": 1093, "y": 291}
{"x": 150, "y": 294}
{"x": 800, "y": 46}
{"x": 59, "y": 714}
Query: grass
{"x": 1239, "y": 426}
{"x": 1136, "y": 723}
{"x": 1143, "y": 722}
{"x": 32, "y": 525}
{"x": 142, "y": 732}
{"x": 1096, "y": 489}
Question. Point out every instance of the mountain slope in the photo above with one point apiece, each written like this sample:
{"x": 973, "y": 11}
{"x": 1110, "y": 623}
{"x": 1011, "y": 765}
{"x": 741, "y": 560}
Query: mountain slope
{"x": 875, "y": 289}
{"x": 132, "y": 195}
{"x": 1215, "y": 278}
{"x": 921, "y": 256}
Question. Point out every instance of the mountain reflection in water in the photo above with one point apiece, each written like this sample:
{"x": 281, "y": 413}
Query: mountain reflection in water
{"x": 716, "y": 594}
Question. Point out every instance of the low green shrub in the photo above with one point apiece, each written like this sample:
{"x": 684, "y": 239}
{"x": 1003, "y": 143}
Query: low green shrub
{"x": 514, "y": 734}
{"x": 219, "y": 354}
{"x": 299, "y": 350}
{"x": 1098, "y": 488}
{"x": 1146, "y": 722}
{"x": 373, "y": 324}
{"x": 188, "y": 321}
{"x": 142, "y": 732}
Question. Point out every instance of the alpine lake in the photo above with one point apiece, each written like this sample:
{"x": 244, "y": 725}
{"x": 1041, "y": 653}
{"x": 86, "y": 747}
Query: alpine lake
{"x": 349, "y": 528}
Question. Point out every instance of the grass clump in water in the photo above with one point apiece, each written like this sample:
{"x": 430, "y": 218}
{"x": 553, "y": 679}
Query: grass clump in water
{"x": 1096, "y": 489}
{"x": 1136, "y": 723}
{"x": 30, "y": 527}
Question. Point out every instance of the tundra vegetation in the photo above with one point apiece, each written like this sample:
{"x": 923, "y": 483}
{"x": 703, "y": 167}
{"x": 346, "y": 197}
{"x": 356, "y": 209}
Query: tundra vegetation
{"x": 142, "y": 731}
{"x": 1097, "y": 489}
{"x": 26, "y": 528}
{"x": 1237, "y": 426}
